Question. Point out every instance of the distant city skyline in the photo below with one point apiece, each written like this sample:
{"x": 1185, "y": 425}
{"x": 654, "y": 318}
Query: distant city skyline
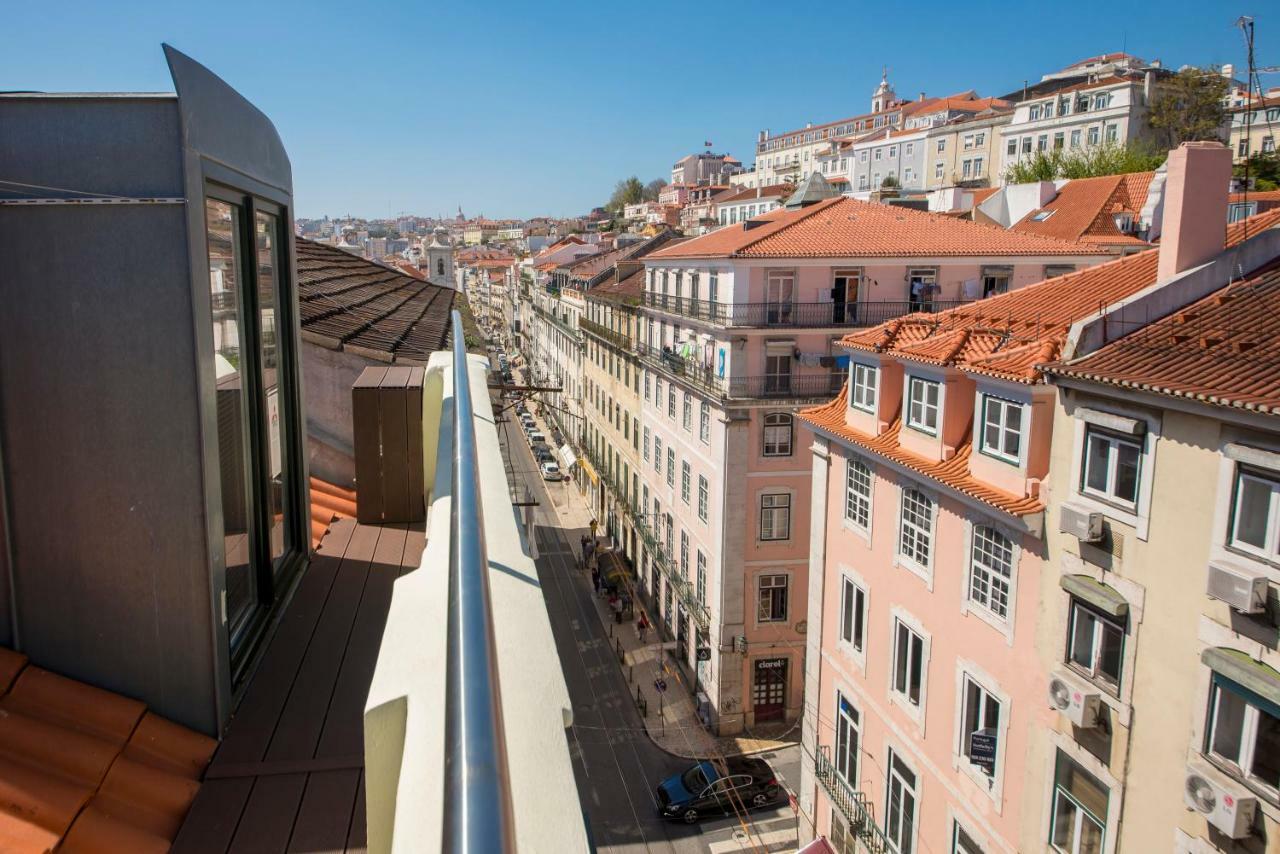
{"x": 422, "y": 111}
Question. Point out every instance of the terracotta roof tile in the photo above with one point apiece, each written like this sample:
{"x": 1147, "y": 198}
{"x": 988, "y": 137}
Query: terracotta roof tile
{"x": 346, "y": 302}
{"x": 1223, "y": 350}
{"x": 328, "y": 503}
{"x": 1084, "y": 209}
{"x": 748, "y": 193}
{"x": 86, "y": 770}
{"x": 954, "y": 472}
{"x": 848, "y": 228}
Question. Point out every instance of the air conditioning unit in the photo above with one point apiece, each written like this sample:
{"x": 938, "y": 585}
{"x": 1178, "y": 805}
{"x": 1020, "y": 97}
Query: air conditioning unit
{"x": 1080, "y": 705}
{"x": 1081, "y": 524}
{"x": 1227, "y": 807}
{"x": 1241, "y": 588}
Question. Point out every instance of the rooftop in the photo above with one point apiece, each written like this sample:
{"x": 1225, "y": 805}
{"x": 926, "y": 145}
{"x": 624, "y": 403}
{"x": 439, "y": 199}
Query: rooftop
{"x": 747, "y": 194}
{"x": 347, "y": 303}
{"x": 1223, "y": 350}
{"x": 1084, "y": 210}
{"x": 849, "y": 228}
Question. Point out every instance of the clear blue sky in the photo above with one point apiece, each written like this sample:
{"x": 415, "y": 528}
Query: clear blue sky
{"x": 517, "y": 109}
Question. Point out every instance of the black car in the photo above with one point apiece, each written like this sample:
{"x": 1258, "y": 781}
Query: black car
{"x": 737, "y": 783}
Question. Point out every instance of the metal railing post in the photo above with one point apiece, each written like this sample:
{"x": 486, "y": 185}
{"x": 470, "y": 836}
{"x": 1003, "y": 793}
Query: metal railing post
{"x": 477, "y": 799}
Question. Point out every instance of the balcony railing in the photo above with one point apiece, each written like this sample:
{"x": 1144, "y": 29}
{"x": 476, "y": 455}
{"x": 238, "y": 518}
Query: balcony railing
{"x": 617, "y": 339}
{"x": 766, "y": 315}
{"x": 445, "y": 768}
{"x": 667, "y": 566}
{"x": 551, "y": 317}
{"x": 853, "y": 805}
{"x": 790, "y": 387}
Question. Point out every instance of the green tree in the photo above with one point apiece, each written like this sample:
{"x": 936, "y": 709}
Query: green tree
{"x": 1189, "y": 106}
{"x": 1263, "y": 171}
{"x": 652, "y": 189}
{"x": 625, "y": 192}
{"x": 890, "y": 182}
{"x": 1109, "y": 159}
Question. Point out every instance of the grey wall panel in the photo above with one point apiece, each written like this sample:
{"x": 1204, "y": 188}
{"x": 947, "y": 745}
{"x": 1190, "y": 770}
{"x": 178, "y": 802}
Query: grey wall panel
{"x": 119, "y": 146}
{"x": 102, "y": 451}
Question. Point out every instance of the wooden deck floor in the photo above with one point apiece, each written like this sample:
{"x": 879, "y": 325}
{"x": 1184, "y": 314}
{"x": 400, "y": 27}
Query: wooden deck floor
{"x": 289, "y": 776}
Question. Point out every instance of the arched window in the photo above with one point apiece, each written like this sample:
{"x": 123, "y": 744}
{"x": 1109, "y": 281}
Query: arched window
{"x": 777, "y": 434}
{"x": 440, "y": 266}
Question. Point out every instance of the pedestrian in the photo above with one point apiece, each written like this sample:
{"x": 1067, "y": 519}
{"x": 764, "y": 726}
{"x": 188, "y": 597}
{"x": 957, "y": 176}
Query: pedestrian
{"x": 642, "y": 625}
{"x": 616, "y": 604}
{"x": 595, "y": 578}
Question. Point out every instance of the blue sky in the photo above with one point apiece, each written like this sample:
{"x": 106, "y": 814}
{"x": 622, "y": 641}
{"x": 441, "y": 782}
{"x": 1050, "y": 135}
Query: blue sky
{"x": 515, "y": 109}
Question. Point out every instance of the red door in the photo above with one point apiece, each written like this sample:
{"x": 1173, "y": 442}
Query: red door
{"x": 769, "y": 689}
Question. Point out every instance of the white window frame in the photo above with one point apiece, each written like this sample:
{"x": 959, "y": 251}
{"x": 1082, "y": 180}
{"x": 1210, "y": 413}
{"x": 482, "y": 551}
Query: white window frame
{"x": 1081, "y": 813}
{"x": 918, "y": 393}
{"x": 1114, "y": 441}
{"x": 1240, "y": 767}
{"x": 908, "y": 844}
{"x": 976, "y": 569}
{"x": 847, "y": 733}
{"x": 687, "y": 414}
{"x": 865, "y": 385}
{"x": 704, "y": 496}
{"x": 854, "y": 600}
{"x": 855, "y": 500}
{"x": 646, "y": 444}
{"x": 767, "y": 498}
{"x": 968, "y": 673}
{"x": 671, "y": 466}
{"x": 704, "y": 423}
{"x": 911, "y": 561}
{"x": 900, "y": 620}
{"x": 1092, "y": 673}
{"x": 1270, "y": 551}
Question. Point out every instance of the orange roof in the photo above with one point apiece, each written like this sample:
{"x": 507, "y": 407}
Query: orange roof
{"x": 981, "y": 194}
{"x": 848, "y": 228}
{"x": 1256, "y": 196}
{"x": 83, "y": 769}
{"x": 329, "y": 502}
{"x": 954, "y": 472}
{"x": 1084, "y": 209}
{"x": 748, "y": 193}
{"x": 1015, "y": 335}
{"x": 1222, "y": 350}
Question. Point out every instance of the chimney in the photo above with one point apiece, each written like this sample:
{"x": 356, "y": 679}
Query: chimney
{"x": 1195, "y": 206}
{"x": 921, "y": 96}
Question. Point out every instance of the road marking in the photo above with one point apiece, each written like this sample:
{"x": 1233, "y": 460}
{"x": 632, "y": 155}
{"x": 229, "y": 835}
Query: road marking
{"x": 777, "y": 840}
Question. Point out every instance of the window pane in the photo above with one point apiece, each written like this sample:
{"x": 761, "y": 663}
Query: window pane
{"x": 266, "y": 230}
{"x": 1253, "y": 504}
{"x": 1083, "y": 787}
{"x": 900, "y": 660}
{"x": 1083, "y": 626}
{"x": 224, "y": 233}
{"x": 1127, "y": 472}
{"x": 1228, "y": 724}
{"x": 1266, "y": 750}
{"x": 1096, "y": 463}
{"x": 1110, "y": 650}
{"x": 917, "y": 654}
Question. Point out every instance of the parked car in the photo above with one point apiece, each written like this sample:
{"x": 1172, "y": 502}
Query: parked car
{"x": 551, "y": 471}
{"x": 537, "y": 438}
{"x": 748, "y": 783}
{"x": 543, "y": 454}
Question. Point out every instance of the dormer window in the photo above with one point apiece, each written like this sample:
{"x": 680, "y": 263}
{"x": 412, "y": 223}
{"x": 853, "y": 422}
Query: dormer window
{"x": 922, "y": 405}
{"x": 1002, "y": 429}
{"x": 866, "y": 385}
{"x": 1255, "y": 514}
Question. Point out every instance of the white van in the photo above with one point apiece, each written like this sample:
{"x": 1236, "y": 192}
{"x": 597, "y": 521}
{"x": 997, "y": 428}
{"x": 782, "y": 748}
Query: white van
{"x": 537, "y": 438}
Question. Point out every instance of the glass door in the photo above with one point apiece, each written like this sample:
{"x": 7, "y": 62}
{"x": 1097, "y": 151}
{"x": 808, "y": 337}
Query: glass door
{"x": 256, "y": 413}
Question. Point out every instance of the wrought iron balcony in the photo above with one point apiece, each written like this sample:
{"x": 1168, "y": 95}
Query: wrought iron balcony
{"x": 777, "y": 387}
{"x": 667, "y": 566}
{"x": 767, "y": 315}
{"x": 617, "y": 339}
{"x": 552, "y": 318}
{"x": 852, "y": 804}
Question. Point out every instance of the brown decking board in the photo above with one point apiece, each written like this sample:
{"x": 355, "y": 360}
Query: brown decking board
{"x": 287, "y": 777}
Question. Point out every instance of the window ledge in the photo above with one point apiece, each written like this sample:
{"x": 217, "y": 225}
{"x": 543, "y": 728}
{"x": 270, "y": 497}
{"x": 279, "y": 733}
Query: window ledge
{"x": 1003, "y": 626}
{"x": 924, "y": 573}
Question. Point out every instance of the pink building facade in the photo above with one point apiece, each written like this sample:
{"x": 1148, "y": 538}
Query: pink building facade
{"x": 731, "y": 349}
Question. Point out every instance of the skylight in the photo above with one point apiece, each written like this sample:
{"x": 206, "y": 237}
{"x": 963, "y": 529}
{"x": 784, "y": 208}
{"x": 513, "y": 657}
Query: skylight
{"x": 1041, "y": 216}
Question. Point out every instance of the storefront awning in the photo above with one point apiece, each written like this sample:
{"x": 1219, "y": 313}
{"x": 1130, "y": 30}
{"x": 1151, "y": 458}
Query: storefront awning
{"x": 591, "y": 472}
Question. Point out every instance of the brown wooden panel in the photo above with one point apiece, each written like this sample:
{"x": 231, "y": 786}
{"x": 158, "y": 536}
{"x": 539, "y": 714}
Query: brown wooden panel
{"x": 324, "y": 819}
{"x": 344, "y": 724}
{"x": 394, "y": 401}
{"x": 367, "y": 443}
{"x": 256, "y": 716}
{"x": 417, "y": 490}
{"x": 298, "y": 730}
{"x": 214, "y": 815}
{"x": 267, "y": 822}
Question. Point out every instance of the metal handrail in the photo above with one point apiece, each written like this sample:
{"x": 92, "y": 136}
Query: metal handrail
{"x": 768, "y": 315}
{"x": 477, "y": 799}
{"x": 852, "y": 804}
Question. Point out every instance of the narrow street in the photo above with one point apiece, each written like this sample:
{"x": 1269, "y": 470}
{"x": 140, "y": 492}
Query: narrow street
{"x": 616, "y": 763}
